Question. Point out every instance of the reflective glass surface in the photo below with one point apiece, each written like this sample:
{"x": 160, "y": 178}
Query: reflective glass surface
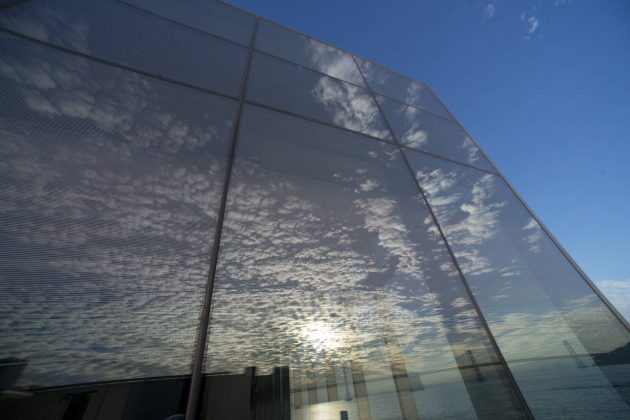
{"x": 335, "y": 295}
{"x": 206, "y": 15}
{"x": 568, "y": 353}
{"x": 332, "y": 274}
{"x": 423, "y": 131}
{"x": 409, "y": 91}
{"x": 125, "y": 35}
{"x": 108, "y": 202}
{"x": 296, "y": 89}
{"x": 300, "y": 49}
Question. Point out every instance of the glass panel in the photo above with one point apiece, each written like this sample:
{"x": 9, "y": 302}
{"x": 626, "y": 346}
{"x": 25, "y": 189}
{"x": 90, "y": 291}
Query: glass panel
{"x": 334, "y": 292}
{"x": 300, "y": 49}
{"x": 110, "y": 189}
{"x": 296, "y": 89}
{"x": 402, "y": 88}
{"x": 423, "y": 131}
{"x": 206, "y": 15}
{"x": 569, "y": 354}
{"x": 125, "y": 35}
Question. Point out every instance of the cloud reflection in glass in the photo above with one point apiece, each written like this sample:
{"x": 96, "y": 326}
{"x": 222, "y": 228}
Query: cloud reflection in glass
{"x": 539, "y": 309}
{"x": 330, "y": 262}
{"x": 111, "y": 184}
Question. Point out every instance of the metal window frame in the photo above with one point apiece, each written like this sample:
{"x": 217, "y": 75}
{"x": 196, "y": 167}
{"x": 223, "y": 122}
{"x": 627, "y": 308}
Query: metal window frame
{"x": 555, "y": 241}
{"x": 571, "y": 261}
{"x": 204, "y": 324}
{"x": 482, "y": 319}
{"x": 586, "y": 279}
{"x": 192, "y": 405}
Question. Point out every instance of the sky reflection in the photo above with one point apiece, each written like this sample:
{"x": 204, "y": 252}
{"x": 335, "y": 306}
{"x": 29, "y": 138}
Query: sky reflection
{"x": 298, "y": 90}
{"x": 110, "y": 192}
{"x": 537, "y": 306}
{"x": 423, "y": 131}
{"x": 401, "y": 88}
{"x": 329, "y": 258}
{"x": 162, "y": 48}
{"x": 284, "y": 43}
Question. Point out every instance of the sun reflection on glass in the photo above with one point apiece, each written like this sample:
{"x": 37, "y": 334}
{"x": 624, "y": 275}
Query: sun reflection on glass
{"x": 322, "y": 335}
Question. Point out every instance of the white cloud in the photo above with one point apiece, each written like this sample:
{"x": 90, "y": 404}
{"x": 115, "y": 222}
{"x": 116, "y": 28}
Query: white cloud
{"x": 349, "y": 107}
{"x": 618, "y": 292}
{"x": 534, "y": 235}
{"x": 118, "y": 211}
{"x": 368, "y": 185}
{"x": 532, "y": 22}
{"x": 331, "y": 61}
{"x": 489, "y": 11}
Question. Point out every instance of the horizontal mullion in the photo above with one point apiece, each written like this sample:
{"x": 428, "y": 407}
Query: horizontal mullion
{"x": 118, "y": 65}
{"x": 176, "y": 22}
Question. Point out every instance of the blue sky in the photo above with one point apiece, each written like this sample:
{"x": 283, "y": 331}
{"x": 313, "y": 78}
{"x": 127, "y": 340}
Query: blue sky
{"x": 544, "y": 87}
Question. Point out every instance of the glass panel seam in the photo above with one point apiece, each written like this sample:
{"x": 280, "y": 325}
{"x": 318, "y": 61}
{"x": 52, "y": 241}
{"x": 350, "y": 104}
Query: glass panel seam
{"x": 471, "y": 296}
{"x": 176, "y": 82}
{"x": 456, "y": 121}
{"x": 568, "y": 257}
{"x": 482, "y": 319}
{"x": 120, "y": 66}
{"x": 204, "y": 320}
{"x": 392, "y": 142}
{"x": 450, "y": 120}
{"x": 322, "y": 41}
{"x": 571, "y": 261}
{"x": 176, "y": 22}
{"x": 268, "y": 54}
{"x": 314, "y": 38}
{"x": 315, "y": 120}
{"x": 353, "y": 55}
{"x": 190, "y": 86}
{"x": 424, "y": 152}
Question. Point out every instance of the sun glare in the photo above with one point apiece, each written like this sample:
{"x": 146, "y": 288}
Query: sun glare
{"x": 321, "y": 335}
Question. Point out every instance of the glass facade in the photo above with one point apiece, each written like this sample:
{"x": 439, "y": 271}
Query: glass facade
{"x": 206, "y": 214}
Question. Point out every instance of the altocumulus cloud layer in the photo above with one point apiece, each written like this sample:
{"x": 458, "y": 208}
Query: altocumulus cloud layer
{"x": 330, "y": 264}
{"x": 330, "y": 261}
{"x": 327, "y": 230}
{"x": 537, "y": 306}
{"x": 111, "y": 184}
{"x": 509, "y": 261}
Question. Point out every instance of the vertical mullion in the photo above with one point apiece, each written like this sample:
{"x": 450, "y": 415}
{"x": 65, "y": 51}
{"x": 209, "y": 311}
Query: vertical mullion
{"x": 482, "y": 319}
{"x": 204, "y": 320}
